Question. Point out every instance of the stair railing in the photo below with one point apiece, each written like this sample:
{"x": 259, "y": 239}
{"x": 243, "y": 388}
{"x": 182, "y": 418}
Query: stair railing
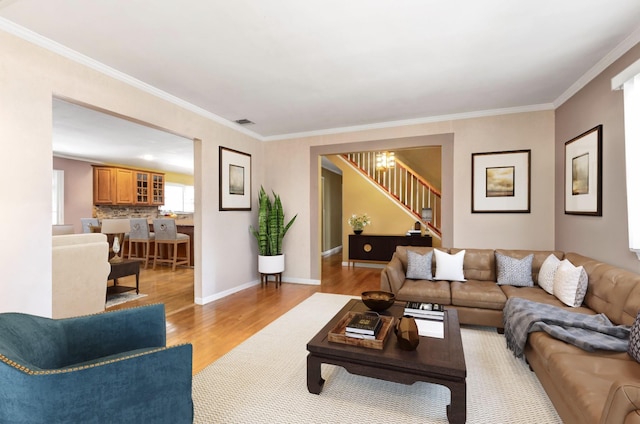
{"x": 403, "y": 184}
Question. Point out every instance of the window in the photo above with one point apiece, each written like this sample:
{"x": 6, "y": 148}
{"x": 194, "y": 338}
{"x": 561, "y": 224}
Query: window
{"x": 629, "y": 80}
{"x": 178, "y": 198}
{"x": 57, "y": 215}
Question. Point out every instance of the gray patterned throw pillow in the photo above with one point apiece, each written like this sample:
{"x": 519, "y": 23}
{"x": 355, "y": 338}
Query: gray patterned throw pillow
{"x": 419, "y": 266}
{"x": 514, "y": 272}
{"x": 634, "y": 340}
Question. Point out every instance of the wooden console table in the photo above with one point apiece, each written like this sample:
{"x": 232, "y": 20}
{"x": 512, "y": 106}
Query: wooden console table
{"x": 375, "y": 248}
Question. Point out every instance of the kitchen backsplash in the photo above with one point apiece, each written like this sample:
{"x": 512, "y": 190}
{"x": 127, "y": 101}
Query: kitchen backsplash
{"x": 106, "y": 211}
{"x": 150, "y": 212}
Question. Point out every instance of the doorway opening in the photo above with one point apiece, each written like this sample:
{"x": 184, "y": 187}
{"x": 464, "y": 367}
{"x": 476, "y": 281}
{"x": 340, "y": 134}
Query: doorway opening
{"x": 85, "y": 135}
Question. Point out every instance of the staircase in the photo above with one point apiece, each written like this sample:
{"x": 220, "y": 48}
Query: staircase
{"x": 403, "y": 185}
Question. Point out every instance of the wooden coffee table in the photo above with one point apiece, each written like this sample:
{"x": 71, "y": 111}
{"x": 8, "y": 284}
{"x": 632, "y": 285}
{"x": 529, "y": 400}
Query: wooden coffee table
{"x": 437, "y": 361}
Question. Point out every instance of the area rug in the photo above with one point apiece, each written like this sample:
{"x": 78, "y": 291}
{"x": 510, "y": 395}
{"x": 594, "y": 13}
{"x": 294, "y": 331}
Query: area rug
{"x": 120, "y": 298}
{"x": 263, "y": 380}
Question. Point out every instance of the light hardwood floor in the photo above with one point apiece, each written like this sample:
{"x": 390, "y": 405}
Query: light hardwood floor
{"x": 217, "y": 327}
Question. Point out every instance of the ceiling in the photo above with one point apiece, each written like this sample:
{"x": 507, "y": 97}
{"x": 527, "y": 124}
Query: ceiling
{"x": 87, "y": 134}
{"x": 311, "y": 67}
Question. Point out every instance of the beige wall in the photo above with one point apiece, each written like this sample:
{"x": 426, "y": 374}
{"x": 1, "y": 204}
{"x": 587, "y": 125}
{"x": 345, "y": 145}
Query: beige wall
{"x": 534, "y": 130}
{"x": 606, "y": 237}
{"x": 29, "y": 78}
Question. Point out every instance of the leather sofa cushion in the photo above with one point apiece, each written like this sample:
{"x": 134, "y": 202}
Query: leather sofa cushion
{"x": 479, "y": 264}
{"x": 477, "y": 294}
{"x": 535, "y": 294}
{"x": 612, "y": 290}
{"x": 425, "y": 291}
{"x": 538, "y": 258}
{"x": 589, "y": 380}
{"x": 545, "y": 346}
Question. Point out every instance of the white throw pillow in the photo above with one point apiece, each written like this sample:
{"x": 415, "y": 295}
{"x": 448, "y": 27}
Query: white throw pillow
{"x": 548, "y": 272}
{"x": 449, "y": 267}
{"x": 570, "y": 284}
{"x": 419, "y": 266}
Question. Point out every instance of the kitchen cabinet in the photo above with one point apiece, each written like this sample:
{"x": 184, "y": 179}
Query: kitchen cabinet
{"x": 142, "y": 188}
{"x": 103, "y": 186}
{"x": 149, "y": 188}
{"x": 157, "y": 181}
{"x": 124, "y": 186}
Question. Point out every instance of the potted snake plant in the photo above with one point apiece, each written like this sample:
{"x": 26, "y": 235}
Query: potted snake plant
{"x": 270, "y": 233}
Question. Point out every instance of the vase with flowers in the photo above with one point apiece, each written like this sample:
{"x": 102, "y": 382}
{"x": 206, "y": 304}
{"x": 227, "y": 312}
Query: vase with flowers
{"x": 358, "y": 222}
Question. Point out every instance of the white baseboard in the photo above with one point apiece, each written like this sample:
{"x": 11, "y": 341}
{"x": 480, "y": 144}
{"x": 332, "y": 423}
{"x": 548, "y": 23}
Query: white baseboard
{"x": 365, "y": 265}
{"x": 301, "y": 281}
{"x": 332, "y": 251}
{"x": 217, "y": 296}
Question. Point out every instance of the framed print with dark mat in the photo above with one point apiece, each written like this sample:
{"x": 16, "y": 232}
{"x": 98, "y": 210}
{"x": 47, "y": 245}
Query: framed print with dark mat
{"x": 583, "y": 174}
{"x": 501, "y": 182}
{"x": 235, "y": 180}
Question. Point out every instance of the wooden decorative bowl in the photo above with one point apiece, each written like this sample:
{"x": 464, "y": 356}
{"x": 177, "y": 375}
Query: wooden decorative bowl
{"x": 378, "y": 300}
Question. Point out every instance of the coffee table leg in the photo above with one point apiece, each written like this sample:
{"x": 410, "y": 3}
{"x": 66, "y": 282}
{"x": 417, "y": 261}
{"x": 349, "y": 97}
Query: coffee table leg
{"x": 314, "y": 377}
{"x": 457, "y": 410}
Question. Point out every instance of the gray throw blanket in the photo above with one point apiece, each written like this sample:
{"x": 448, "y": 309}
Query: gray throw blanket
{"x": 588, "y": 332}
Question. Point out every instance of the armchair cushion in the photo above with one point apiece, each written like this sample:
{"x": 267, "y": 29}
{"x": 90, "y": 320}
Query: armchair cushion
{"x": 111, "y": 367}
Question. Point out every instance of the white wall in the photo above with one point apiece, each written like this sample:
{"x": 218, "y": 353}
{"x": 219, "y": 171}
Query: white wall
{"x": 29, "y": 77}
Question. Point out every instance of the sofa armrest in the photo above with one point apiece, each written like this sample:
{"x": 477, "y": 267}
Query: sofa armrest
{"x": 623, "y": 403}
{"x": 95, "y": 336}
{"x": 392, "y": 276}
{"x": 154, "y": 386}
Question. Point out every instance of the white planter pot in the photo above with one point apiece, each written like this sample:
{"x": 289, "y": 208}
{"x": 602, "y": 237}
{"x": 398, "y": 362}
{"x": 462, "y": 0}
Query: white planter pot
{"x": 271, "y": 264}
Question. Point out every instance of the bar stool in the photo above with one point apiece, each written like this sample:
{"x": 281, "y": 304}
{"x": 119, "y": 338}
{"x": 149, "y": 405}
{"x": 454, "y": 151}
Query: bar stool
{"x": 167, "y": 234}
{"x": 87, "y": 223}
{"x": 140, "y": 237}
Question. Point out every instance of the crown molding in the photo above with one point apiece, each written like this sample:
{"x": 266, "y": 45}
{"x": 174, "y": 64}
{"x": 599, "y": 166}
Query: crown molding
{"x": 77, "y": 57}
{"x": 416, "y": 121}
{"x": 599, "y": 67}
{"x": 68, "y": 53}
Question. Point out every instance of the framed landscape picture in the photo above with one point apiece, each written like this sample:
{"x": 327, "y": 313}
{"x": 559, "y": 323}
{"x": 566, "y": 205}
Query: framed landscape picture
{"x": 583, "y": 174}
{"x": 235, "y": 180}
{"x": 501, "y": 182}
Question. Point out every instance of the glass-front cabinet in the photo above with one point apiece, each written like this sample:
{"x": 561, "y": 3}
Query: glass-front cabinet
{"x": 158, "y": 189}
{"x": 142, "y": 188}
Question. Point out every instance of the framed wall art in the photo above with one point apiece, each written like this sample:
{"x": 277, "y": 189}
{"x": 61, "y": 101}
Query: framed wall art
{"x": 235, "y": 180}
{"x": 583, "y": 174}
{"x": 501, "y": 182}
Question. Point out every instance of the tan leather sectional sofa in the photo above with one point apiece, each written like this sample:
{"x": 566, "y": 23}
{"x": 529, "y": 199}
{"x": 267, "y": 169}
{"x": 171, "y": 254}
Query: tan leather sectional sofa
{"x": 585, "y": 387}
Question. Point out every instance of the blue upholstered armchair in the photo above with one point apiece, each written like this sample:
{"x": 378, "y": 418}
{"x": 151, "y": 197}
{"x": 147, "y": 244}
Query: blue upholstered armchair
{"x": 112, "y": 367}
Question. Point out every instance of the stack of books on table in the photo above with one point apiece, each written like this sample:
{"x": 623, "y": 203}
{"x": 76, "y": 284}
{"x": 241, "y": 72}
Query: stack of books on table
{"x": 431, "y": 311}
{"x": 363, "y": 326}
